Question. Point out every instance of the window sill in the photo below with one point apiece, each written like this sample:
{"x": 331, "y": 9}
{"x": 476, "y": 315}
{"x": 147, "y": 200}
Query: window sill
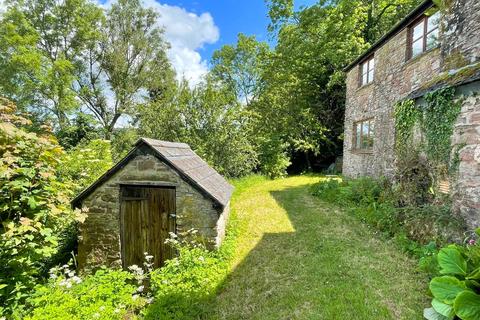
{"x": 360, "y": 151}
{"x": 418, "y": 57}
{"x": 366, "y": 85}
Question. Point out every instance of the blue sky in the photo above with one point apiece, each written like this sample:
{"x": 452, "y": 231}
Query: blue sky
{"x": 196, "y": 28}
{"x": 232, "y": 17}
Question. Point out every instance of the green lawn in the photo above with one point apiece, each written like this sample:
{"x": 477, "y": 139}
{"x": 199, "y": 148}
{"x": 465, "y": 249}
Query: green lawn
{"x": 300, "y": 258}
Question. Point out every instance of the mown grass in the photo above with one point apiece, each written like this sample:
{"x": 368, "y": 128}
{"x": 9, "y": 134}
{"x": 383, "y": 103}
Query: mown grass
{"x": 300, "y": 258}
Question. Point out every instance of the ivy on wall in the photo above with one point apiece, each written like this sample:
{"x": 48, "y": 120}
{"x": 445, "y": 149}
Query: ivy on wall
{"x": 440, "y": 114}
{"x": 425, "y": 160}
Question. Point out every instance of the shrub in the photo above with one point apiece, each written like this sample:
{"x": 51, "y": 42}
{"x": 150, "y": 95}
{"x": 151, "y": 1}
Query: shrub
{"x": 83, "y": 164}
{"x": 185, "y": 284}
{"x": 107, "y": 294}
{"x": 456, "y": 292}
{"x": 34, "y": 206}
{"x": 415, "y": 228}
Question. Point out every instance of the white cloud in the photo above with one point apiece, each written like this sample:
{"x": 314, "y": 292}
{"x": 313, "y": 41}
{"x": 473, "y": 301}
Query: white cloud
{"x": 187, "y": 32}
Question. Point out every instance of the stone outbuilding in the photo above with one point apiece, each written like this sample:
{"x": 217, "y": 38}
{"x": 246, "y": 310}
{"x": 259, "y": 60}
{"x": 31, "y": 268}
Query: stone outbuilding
{"x": 159, "y": 188}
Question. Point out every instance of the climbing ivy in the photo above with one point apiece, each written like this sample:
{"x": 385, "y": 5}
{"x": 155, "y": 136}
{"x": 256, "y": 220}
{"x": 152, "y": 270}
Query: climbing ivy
{"x": 420, "y": 164}
{"x": 406, "y": 115}
{"x": 440, "y": 114}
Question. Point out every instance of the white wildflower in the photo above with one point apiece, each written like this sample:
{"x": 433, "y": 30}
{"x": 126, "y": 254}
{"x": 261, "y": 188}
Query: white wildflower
{"x": 76, "y": 279}
{"x": 116, "y": 310}
{"x": 135, "y": 297}
{"x": 140, "y": 289}
{"x": 149, "y": 300}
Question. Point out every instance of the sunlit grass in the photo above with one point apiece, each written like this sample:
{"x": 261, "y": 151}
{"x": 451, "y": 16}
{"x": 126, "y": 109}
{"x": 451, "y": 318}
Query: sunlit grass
{"x": 299, "y": 258}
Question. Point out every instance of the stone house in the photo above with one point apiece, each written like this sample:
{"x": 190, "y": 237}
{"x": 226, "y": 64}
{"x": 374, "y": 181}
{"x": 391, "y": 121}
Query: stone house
{"x": 159, "y": 188}
{"x": 425, "y": 51}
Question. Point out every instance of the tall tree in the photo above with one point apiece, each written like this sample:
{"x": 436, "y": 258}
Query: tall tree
{"x": 128, "y": 63}
{"x": 304, "y": 82}
{"x": 240, "y": 67}
{"x": 40, "y": 43}
{"x": 210, "y": 119}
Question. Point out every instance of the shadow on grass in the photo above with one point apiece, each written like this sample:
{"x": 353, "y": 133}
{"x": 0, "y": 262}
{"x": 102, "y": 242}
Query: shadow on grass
{"x": 326, "y": 269}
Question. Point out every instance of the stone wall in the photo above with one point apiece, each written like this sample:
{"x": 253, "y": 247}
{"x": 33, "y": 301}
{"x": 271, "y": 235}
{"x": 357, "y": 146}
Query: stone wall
{"x": 466, "y": 137}
{"x": 99, "y": 241}
{"x": 461, "y": 29}
{"x": 394, "y": 79}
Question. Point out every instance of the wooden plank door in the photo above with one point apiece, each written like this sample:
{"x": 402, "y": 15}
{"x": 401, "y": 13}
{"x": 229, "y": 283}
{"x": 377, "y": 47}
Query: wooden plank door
{"x": 147, "y": 217}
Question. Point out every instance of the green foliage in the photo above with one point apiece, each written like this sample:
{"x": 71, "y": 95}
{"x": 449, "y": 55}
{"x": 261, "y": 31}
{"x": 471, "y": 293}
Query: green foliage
{"x": 441, "y": 112}
{"x": 407, "y": 114}
{"x": 417, "y": 229}
{"x": 423, "y": 162}
{"x": 85, "y": 163}
{"x": 107, "y": 294}
{"x": 184, "y": 287}
{"x": 42, "y": 43}
{"x": 210, "y": 119}
{"x": 82, "y": 130}
{"x": 456, "y": 292}
{"x": 186, "y": 283}
{"x": 131, "y": 55}
{"x": 34, "y": 206}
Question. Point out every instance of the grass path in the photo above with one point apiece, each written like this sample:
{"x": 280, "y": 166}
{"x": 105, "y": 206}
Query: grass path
{"x": 299, "y": 258}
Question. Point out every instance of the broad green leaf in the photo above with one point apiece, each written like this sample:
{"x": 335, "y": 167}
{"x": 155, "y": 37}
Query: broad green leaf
{"x": 452, "y": 262}
{"x": 474, "y": 275}
{"x": 431, "y": 314}
{"x": 446, "y": 288}
{"x": 443, "y": 308}
{"x": 467, "y": 305}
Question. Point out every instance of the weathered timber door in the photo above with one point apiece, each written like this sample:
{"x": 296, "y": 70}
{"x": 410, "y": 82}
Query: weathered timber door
{"x": 147, "y": 215}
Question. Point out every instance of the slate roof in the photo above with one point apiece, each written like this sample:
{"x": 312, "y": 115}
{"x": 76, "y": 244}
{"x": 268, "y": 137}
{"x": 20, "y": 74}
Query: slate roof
{"x": 181, "y": 158}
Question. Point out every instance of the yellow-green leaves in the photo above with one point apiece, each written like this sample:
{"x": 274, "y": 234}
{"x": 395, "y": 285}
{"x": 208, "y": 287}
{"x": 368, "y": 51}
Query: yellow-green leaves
{"x": 467, "y": 305}
{"x": 452, "y": 262}
{"x": 445, "y": 289}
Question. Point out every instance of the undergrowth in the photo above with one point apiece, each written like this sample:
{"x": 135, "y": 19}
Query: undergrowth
{"x": 418, "y": 230}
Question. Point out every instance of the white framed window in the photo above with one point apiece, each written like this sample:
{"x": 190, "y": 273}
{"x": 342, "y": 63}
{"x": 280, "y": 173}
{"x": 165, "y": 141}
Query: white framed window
{"x": 367, "y": 71}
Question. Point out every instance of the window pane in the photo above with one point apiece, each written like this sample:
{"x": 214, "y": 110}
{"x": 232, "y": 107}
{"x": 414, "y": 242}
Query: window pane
{"x": 418, "y": 30}
{"x": 433, "y": 21}
{"x": 432, "y": 39}
{"x": 417, "y": 47}
{"x": 370, "y": 76}
{"x": 364, "y": 78}
{"x": 371, "y": 64}
{"x": 358, "y": 136}
{"x": 365, "y": 126}
{"x": 371, "y": 135}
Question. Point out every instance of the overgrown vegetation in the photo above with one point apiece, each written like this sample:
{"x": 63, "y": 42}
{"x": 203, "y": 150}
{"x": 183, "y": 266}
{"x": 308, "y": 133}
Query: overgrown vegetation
{"x": 179, "y": 290}
{"x": 417, "y": 229}
{"x": 424, "y": 153}
{"x": 38, "y": 227}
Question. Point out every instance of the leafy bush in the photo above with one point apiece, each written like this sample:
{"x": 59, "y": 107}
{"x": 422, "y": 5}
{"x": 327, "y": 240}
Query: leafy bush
{"x": 34, "y": 206}
{"x": 107, "y": 294}
{"x": 185, "y": 284}
{"x": 456, "y": 293}
{"x": 415, "y": 228}
{"x": 83, "y": 164}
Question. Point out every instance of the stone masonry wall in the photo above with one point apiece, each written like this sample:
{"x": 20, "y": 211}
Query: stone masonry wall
{"x": 461, "y": 34}
{"x": 394, "y": 79}
{"x": 99, "y": 241}
{"x": 466, "y": 192}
